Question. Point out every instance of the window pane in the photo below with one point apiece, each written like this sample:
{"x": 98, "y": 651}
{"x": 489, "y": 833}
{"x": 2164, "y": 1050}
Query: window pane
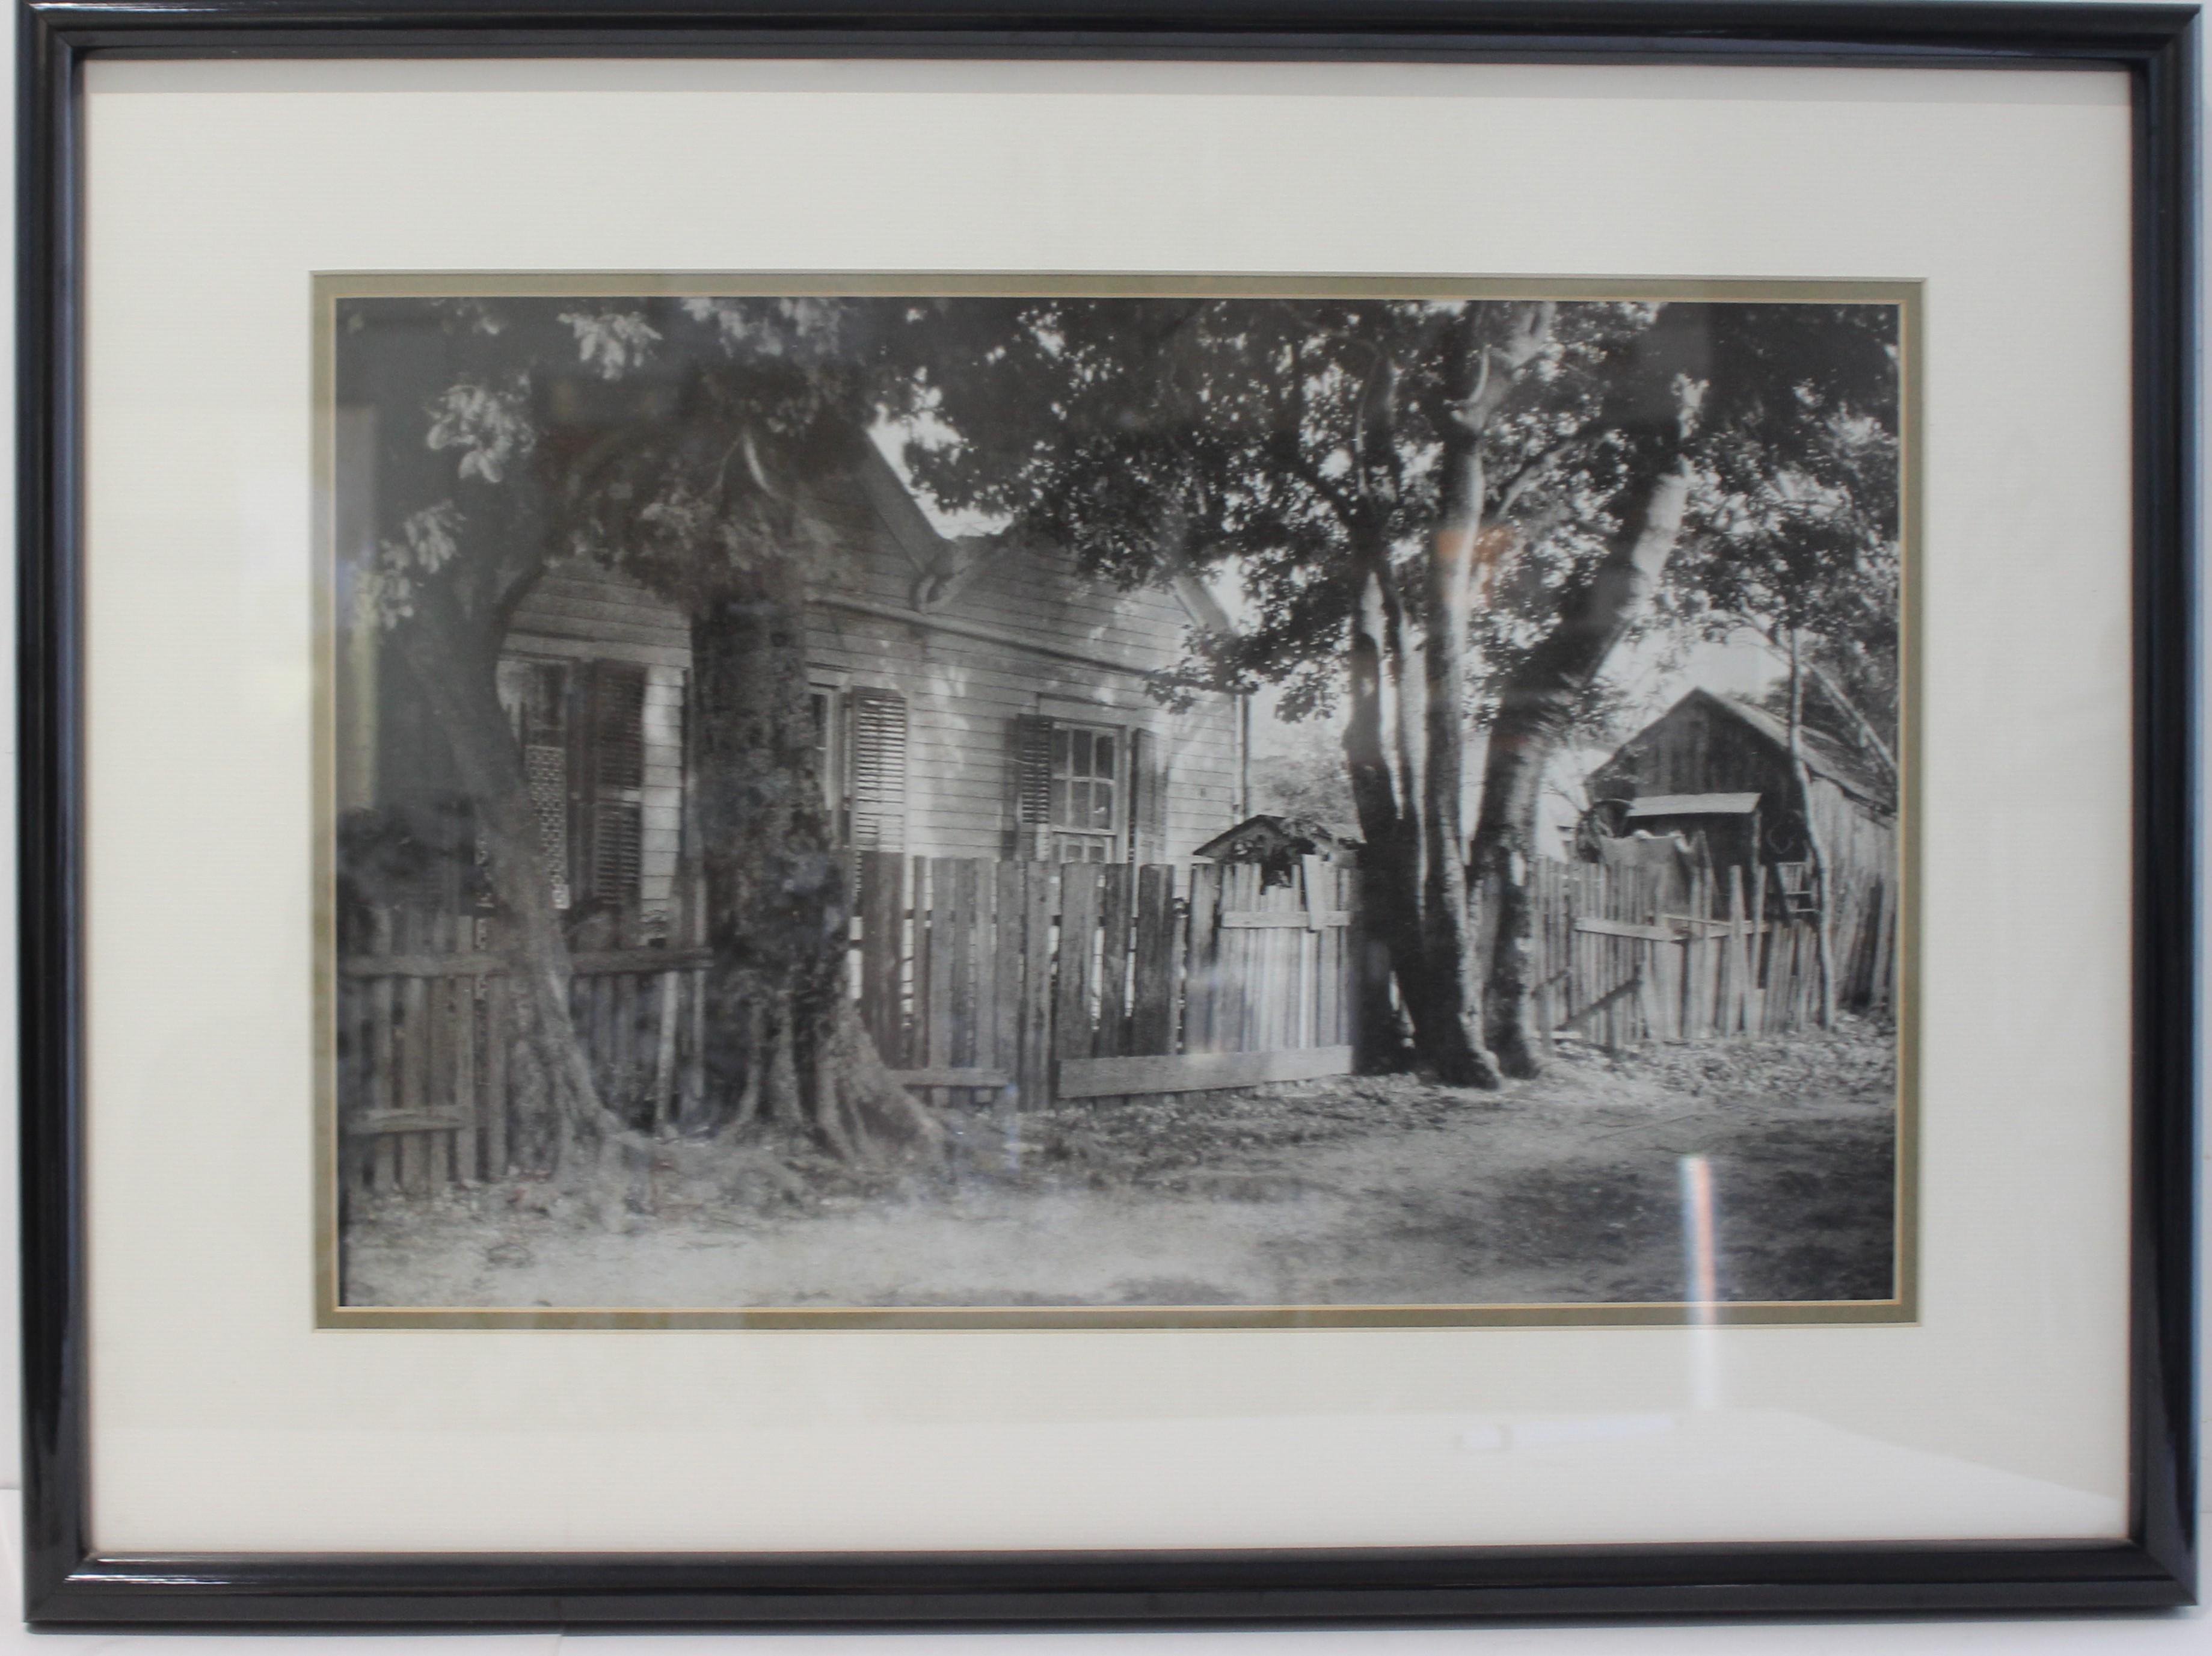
{"x": 1103, "y": 763}
{"x": 1059, "y": 751}
{"x": 1059, "y": 802}
{"x": 1102, "y": 805}
{"x": 1082, "y": 767}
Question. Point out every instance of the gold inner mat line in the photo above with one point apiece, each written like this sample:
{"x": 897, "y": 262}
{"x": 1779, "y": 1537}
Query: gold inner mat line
{"x": 1905, "y": 293}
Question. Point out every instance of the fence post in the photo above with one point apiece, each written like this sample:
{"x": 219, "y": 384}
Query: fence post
{"x": 1078, "y": 938}
{"x": 497, "y": 1035}
{"x": 1202, "y": 958}
{"x": 1036, "y": 1031}
{"x": 1114, "y": 918}
{"x": 1152, "y": 1027}
{"x": 882, "y": 902}
{"x": 1006, "y": 1051}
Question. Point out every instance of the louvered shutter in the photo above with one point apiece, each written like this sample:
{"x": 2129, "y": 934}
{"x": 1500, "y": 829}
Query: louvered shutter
{"x": 877, "y": 736}
{"x": 1033, "y": 787}
{"x": 618, "y": 725}
{"x": 1148, "y": 798}
{"x": 536, "y": 696}
{"x": 612, "y": 723}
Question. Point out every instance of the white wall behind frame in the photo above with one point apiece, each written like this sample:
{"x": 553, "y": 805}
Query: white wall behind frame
{"x": 367, "y": 173}
{"x": 2065, "y": 1636}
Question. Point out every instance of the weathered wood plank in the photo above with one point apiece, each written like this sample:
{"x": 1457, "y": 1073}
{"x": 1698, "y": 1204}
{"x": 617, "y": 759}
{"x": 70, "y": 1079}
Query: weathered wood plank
{"x": 1739, "y": 956}
{"x": 967, "y": 883}
{"x": 1240, "y": 959}
{"x": 1197, "y": 1072}
{"x": 498, "y": 1037}
{"x": 1597, "y": 926}
{"x": 1038, "y": 901}
{"x": 382, "y": 1090}
{"x": 1201, "y": 954}
{"x": 411, "y": 1124}
{"x": 415, "y": 1062}
{"x": 467, "y": 1096}
{"x": 985, "y": 951}
{"x": 1009, "y": 890}
{"x": 1267, "y": 920}
{"x": 1600, "y": 1006}
{"x": 1115, "y": 898}
{"x": 1079, "y": 944}
{"x": 936, "y": 1049}
{"x": 883, "y": 924}
{"x": 953, "y": 1077}
{"x": 1151, "y": 1025}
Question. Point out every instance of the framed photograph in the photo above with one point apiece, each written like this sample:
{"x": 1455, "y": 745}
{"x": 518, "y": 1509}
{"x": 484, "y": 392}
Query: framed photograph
{"x": 1094, "y": 816}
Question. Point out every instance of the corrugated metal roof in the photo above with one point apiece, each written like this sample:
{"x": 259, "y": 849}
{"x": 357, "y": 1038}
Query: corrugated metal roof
{"x": 1693, "y": 805}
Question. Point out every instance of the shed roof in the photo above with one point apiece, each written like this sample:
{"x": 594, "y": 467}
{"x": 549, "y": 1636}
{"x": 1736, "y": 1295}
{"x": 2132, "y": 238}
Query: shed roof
{"x": 1823, "y": 757}
{"x": 1693, "y": 805}
{"x": 1284, "y": 831}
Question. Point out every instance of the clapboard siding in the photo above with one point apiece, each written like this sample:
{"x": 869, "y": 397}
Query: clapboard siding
{"x": 962, "y": 691}
{"x": 963, "y": 697}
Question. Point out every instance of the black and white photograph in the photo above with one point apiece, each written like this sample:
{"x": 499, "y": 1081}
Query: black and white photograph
{"x": 1115, "y": 801}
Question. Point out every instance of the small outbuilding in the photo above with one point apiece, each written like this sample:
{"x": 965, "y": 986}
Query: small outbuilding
{"x": 1713, "y": 776}
{"x": 1278, "y": 844}
{"x": 1714, "y": 768}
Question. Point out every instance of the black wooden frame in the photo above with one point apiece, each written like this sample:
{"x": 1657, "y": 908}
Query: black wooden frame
{"x": 68, "y": 1585}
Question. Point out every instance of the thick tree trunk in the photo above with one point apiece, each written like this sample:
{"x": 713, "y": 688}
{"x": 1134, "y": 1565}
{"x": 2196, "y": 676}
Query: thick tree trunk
{"x": 1816, "y": 851}
{"x": 1534, "y": 714}
{"x": 556, "y": 1099}
{"x": 1451, "y": 1033}
{"x": 1389, "y": 864}
{"x": 783, "y": 1043}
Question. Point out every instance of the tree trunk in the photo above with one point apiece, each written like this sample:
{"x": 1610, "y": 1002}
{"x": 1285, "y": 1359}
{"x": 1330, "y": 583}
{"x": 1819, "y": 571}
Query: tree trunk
{"x": 783, "y": 1042}
{"x": 556, "y": 1097}
{"x": 1451, "y": 1033}
{"x": 1389, "y": 857}
{"x": 1534, "y": 714}
{"x": 1815, "y": 851}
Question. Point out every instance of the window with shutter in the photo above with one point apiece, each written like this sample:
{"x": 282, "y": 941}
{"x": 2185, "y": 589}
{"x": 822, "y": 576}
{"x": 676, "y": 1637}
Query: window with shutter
{"x": 1071, "y": 783}
{"x": 877, "y": 739}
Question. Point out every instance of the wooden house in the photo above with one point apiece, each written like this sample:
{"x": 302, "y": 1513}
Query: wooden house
{"x": 973, "y": 697}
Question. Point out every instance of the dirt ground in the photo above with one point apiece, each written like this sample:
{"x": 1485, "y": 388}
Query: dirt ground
{"x": 1390, "y": 1191}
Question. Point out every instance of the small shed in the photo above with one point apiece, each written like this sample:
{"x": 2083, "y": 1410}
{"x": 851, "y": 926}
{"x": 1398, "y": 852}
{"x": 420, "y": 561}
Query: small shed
{"x": 1714, "y": 766}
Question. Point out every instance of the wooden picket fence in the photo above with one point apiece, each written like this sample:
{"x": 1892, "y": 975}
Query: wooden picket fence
{"x": 1620, "y": 959}
{"x": 425, "y": 1043}
{"x": 1028, "y": 982}
{"x": 1019, "y": 984}
{"x": 1014, "y": 983}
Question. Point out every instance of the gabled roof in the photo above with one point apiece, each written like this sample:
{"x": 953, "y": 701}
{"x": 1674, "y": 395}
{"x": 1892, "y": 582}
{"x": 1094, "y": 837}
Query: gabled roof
{"x": 1287, "y": 830}
{"x": 944, "y": 565}
{"x": 1823, "y": 757}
